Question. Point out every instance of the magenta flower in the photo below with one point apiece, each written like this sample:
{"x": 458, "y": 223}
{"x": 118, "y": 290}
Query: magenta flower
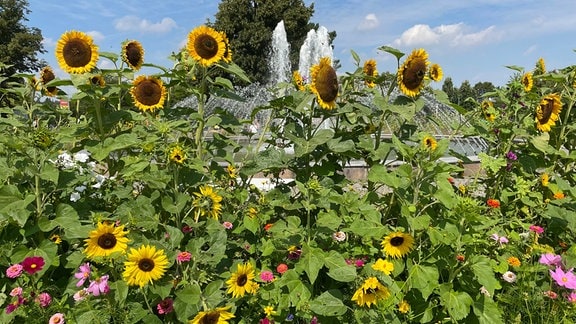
{"x": 183, "y": 257}
{"x": 33, "y": 264}
{"x": 12, "y": 307}
{"x": 564, "y": 279}
{"x": 44, "y": 299}
{"x": 187, "y": 229}
{"x": 572, "y": 297}
{"x": 550, "y": 259}
{"x": 266, "y": 276}
{"x": 98, "y": 286}
{"x": 14, "y": 271}
{"x": 165, "y": 306}
{"x": 359, "y": 263}
{"x": 83, "y": 274}
{"x": 536, "y": 229}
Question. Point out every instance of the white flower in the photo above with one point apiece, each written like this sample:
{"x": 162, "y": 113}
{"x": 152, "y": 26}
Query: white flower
{"x": 484, "y": 291}
{"x": 339, "y": 236}
{"x": 82, "y": 156}
{"x": 99, "y": 181}
{"x": 80, "y": 188}
{"x": 509, "y": 276}
{"x": 65, "y": 161}
{"x": 75, "y": 196}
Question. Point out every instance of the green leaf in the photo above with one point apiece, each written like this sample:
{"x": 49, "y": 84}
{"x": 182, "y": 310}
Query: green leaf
{"x": 120, "y": 289}
{"x": 355, "y": 57}
{"x": 423, "y": 278}
{"x": 339, "y": 269}
{"x": 487, "y": 311}
{"x": 392, "y": 51}
{"x": 456, "y": 302}
{"x": 484, "y": 274}
{"x": 312, "y": 261}
{"x": 329, "y": 220}
{"x": 190, "y": 294}
{"x": 329, "y": 303}
{"x": 17, "y": 210}
{"x": 490, "y": 163}
{"x": 335, "y": 145}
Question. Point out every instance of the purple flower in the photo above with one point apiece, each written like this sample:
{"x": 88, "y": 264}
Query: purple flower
{"x": 165, "y": 306}
{"x": 499, "y": 239}
{"x": 550, "y": 259}
{"x": 44, "y": 299}
{"x": 564, "y": 279}
{"x": 511, "y": 156}
{"x": 98, "y": 286}
{"x": 83, "y": 274}
{"x": 14, "y": 271}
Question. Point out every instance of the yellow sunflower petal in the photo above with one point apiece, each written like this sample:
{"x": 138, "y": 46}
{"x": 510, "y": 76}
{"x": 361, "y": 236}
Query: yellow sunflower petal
{"x": 206, "y": 45}
{"x": 324, "y": 83}
{"x": 144, "y": 265}
{"x": 412, "y": 73}
{"x": 76, "y": 52}
{"x": 148, "y": 93}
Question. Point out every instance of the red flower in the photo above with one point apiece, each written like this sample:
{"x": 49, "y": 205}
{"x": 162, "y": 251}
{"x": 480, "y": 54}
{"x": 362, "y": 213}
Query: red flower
{"x": 281, "y": 268}
{"x": 493, "y": 203}
{"x": 33, "y": 264}
{"x": 267, "y": 227}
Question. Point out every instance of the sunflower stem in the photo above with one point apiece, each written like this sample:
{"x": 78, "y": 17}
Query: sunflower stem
{"x": 97, "y": 106}
{"x": 146, "y": 300}
{"x": 200, "y": 130}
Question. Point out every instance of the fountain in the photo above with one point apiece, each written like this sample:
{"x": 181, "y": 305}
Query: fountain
{"x": 279, "y": 58}
{"x": 316, "y": 45}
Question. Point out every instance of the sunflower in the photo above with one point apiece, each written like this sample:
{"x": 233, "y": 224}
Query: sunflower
{"x": 430, "y": 143}
{"x": 540, "y": 66}
{"x": 144, "y": 265}
{"x": 242, "y": 281}
{"x": 76, "y": 52}
{"x": 488, "y": 110}
{"x": 105, "y": 240}
{"x": 47, "y": 75}
{"x": 324, "y": 83}
{"x": 97, "y": 80}
{"x": 370, "y": 292}
{"x": 206, "y": 45}
{"x": 527, "y": 81}
{"x": 397, "y": 244}
{"x": 547, "y": 113}
{"x": 133, "y": 54}
{"x": 298, "y": 81}
{"x": 207, "y": 202}
{"x": 177, "y": 155}
{"x": 436, "y": 72}
{"x": 148, "y": 93}
{"x": 219, "y": 315}
{"x": 227, "y": 52}
{"x": 370, "y": 72}
{"x": 412, "y": 73}
{"x": 545, "y": 179}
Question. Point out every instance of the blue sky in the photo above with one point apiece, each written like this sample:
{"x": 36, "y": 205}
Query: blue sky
{"x": 472, "y": 40}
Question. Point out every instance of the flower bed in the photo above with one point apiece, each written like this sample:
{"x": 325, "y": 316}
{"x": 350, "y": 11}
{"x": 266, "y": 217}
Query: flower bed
{"x": 118, "y": 207}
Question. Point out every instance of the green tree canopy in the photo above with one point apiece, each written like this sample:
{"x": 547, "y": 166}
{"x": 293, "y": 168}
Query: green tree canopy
{"x": 249, "y": 25}
{"x": 19, "y": 44}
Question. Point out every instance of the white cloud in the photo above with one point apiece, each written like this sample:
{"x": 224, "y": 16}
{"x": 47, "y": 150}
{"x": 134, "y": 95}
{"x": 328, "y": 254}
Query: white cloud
{"x": 48, "y": 42}
{"x": 369, "y": 22}
{"x": 530, "y": 50}
{"x": 452, "y": 35}
{"x": 96, "y": 35}
{"x": 133, "y": 23}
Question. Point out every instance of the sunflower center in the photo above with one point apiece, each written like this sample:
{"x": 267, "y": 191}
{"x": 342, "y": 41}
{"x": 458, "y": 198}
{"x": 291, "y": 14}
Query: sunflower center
{"x": 414, "y": 74}
{"x": 107, "y": 241}
{"x": 210, "y": 318}
{"x": 206, "y": 46}
{"x": 77, "y": 53}
{"x": 545, "y": 111}
{"x": 133, "y": 54}
{"x": 242, "y": 280}
{"x": 327, "y": 84}
{"x": 397, "y": 241}
{"x": 146, "y": 265}
{"x": 148, "y": 93}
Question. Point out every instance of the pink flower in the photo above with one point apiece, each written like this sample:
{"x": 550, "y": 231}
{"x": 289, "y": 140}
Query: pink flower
{"x": 359, "y": 263}
{"x": 81, "y": 294}
{"x": 14, "y": 271}
{"x": 536, "y": 229}
{"x": 550, "y": 294}
{"x": 44, "y": 299}
{"x": 187, "y": 229}
{"x": 572, "y": 297}
{"x": 12, "y": 307}
{"x": 57, "y": 318}
{"x": 227, "y": 225}
{"x": 83, "y": 274}
{"x": 499, "y": 239}
{"x": 183, "y": 257}
{"x": 266, "y": 276}
{"x": 550, "y": 259}
{"x": 564, "y": 279}
{"x": 33, "y": 264}
{"x": 165, "y": 306}
{"x": 509, "y": 276}
{"x": 281, "y": 268}
{"x": 98, "y": 286}
{"x": 339, "y": 236}
{"x": 16, "y": 292}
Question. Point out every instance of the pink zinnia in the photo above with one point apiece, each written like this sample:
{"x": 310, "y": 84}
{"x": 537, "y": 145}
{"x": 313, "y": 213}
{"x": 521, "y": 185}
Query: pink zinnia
{"x": 83, "y": 274}
{"x": 16, "y": 292}
{"x": 81, "y": 294}
{"x": 281, "y": 268}
{"x": 44, "y": 299}
{"x": 14, "y": 271}
{"x": 57, "y": 318}
{"x": 564, "y": 279}
{"x": 536, "y": 229}
{"x": 572, "y": 297}
{"x": 550, "y": 259}
{"x": 33, "y": 264}
{"x": 227, "y": 225}
{"x": 183, "y": 257}
{"x": 165, "y": 306}
{"x": 12, "y": 307}
{"x": 98, "y": 286}
{"x": 266, "y": 276}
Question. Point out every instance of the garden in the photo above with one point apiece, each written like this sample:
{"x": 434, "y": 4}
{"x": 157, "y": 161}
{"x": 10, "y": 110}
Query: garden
{"x": 125, "y": 206}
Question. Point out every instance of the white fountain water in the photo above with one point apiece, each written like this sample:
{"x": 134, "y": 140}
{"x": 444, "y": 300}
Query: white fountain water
{"x": 315, "y": 46}
{"x": 279, "y": 58}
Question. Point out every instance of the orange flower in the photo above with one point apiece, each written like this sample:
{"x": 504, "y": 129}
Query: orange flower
{"x": 559, "y": 195}
{"x": 493, "y": 203}
{"x": 514, "y": 261}
{"x": 267, "y": 227}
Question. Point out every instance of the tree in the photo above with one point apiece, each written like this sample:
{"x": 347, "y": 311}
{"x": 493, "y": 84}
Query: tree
{"x": 249, "y": 25}
{"x": 464, "y": 92}
{"x": 483, "y": 87}
{"x": 19, "y": 44}
{"x": 451, "y": 92}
